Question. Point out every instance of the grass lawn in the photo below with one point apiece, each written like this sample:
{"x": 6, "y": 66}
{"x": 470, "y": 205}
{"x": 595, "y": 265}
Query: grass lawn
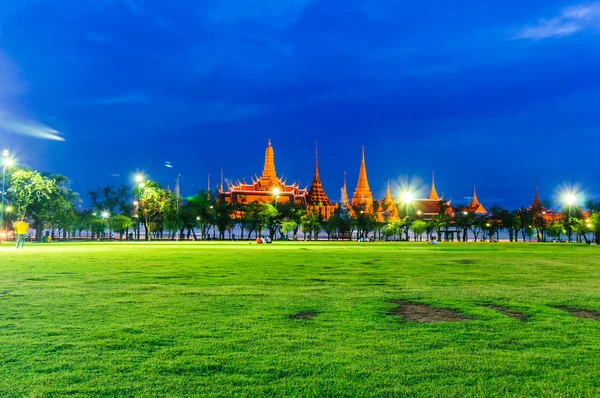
{"x": 297, "y": 319}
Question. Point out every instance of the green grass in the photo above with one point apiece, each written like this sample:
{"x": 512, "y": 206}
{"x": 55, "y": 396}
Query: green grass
{"x": 199, "y": 319}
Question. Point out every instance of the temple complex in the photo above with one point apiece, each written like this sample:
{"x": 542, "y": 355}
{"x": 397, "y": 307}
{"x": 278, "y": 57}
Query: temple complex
{"x": 317, "y": 200}
{"x": 475, "y": 206}
{"x": 268, "y": 188}
{"x": 362, "y": 194}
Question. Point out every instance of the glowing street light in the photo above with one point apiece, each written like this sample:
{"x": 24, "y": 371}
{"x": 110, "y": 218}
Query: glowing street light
{"x": 6, "y": 162}
{"x": 139, "y": 180}
{"x": 276, "y": 193}
{"x": 570, "y": 199}
{"x": 407, "y": 197}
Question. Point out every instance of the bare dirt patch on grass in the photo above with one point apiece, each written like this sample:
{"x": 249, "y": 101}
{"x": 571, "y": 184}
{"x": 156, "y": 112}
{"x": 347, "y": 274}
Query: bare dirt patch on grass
{"x": 511, "y": 313}
{"x": 304, "y": 315}
{"x": 424, "y": 313}
{"x": 580, "y": 313}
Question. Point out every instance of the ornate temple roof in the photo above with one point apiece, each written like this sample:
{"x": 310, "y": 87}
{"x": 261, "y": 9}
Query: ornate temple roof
{"x": 316, "y": 194}
{"x": 362, "y": 194}
{"x": 388, "y": 208}
{"x": 433, "y": 195}
{"x": 537, "y": 206}
{"x": 475, "y": 206}
{"x": 262, "y": 189}
{"x": 344, "y": 199}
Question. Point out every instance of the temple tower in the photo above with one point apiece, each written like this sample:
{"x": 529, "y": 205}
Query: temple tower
{"x": 268, "y": 180}
{"x": 475, "y": 206}
{"x": 345, "y": 202}
{"x": 362, "y": 195}
{"x": 389, "y": 206}
{"x": 433, "y": 195}
{"x": 317, "y": 199}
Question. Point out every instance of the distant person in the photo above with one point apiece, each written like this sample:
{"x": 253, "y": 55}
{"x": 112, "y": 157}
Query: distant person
{"x": 20, "y": 232}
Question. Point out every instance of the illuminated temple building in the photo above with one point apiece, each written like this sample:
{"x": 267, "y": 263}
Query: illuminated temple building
{"x": 267, "y": 188}
{"x": 475, "y": 206}
{"x": 317, "y": 200}
{"x": 432, "y": 205}
{"x": 362, "y": 194}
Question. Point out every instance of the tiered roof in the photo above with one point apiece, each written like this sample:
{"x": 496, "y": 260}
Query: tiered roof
{"x": 475, "y": 206}
{"x": 317, "y": 199}
{"x": 433, "y": 195}
{"x": 362, "y": 194}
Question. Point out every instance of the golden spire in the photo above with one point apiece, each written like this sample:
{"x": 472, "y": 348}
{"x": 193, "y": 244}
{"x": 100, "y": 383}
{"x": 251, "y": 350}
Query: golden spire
{"x": 345, "y": 192}
{"x": 433, "y": 193}
{"x": 475, "y": 206}
{"x": 362, "y": 194}
{"x": 316, "y": 161}
{"x": 537, "y": 203}
{"x": 388, "y": 195}
{"x": 269, "y": 168}
{"x": 268, "y": 180}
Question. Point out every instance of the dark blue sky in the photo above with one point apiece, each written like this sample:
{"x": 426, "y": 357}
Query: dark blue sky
{"x": 492, "y": 93}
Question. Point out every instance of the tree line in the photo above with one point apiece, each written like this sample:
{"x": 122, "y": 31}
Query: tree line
{"x": 51, "y": 205}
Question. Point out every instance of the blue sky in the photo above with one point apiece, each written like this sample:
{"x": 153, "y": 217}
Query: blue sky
{"x": 498, "y": 94}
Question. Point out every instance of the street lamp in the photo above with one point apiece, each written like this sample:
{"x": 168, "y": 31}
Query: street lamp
{"x": 407, "y": 197}
{"x": 276, "y": 193}
{"x": 139, "y": 180}
{"x": 6, "y": 162}
{"x": 570, "y": 200}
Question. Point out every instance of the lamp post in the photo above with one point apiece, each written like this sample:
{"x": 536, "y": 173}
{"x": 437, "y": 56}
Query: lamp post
{"x": 139, "y": 181}
{"x": 105, "y": 216}
{"x": 407, "y": 198}
{"x": 276, "y": 193}
{"x": 570, "y": 200}
{"x": 6, "y": 162}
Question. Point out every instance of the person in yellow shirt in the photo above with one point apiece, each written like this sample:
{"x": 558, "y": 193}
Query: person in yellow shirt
{"x": 20, "y": 232}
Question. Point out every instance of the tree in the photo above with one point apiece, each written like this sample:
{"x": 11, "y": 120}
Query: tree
{"x": 203, "y": 210}
{"x": 28, "y": 187}
{"x": 418, "y": 227}
{"x": 556, "y": 229}
{"x": 287, "y": 227}
{"x": 311, "y": 225}
{"x": 365, "y": 220}
{"x": 120, "y": 224}
{"x": 293, "y": 212}
{"x": 332, "y": 226}
{"x": 152, "y": 205}
{"x": 223, "y": 217}
{"x": 111, "y": 199}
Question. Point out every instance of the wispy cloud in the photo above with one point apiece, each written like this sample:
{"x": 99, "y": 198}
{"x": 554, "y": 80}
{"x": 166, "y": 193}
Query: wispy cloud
{"x": 11, "y": 124}
{"x": 571, "y": 20}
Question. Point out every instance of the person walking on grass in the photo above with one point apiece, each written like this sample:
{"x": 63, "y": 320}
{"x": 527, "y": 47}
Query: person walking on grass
{"x": 20, "y": 232}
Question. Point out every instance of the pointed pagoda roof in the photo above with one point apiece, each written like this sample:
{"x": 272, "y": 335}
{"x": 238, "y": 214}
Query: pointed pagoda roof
{"x": 362, "y": 194}
{"x": 475, "y": 206}
{"x": 389, "y": 206}
{"x": 269, "y": 179}
{"x": 389, "y": 200}
{"x": 433, "y": 195}
{"x": 537, "y": 203}
{"x": 344, "y": 199}
{"x": 316, "y": 194}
